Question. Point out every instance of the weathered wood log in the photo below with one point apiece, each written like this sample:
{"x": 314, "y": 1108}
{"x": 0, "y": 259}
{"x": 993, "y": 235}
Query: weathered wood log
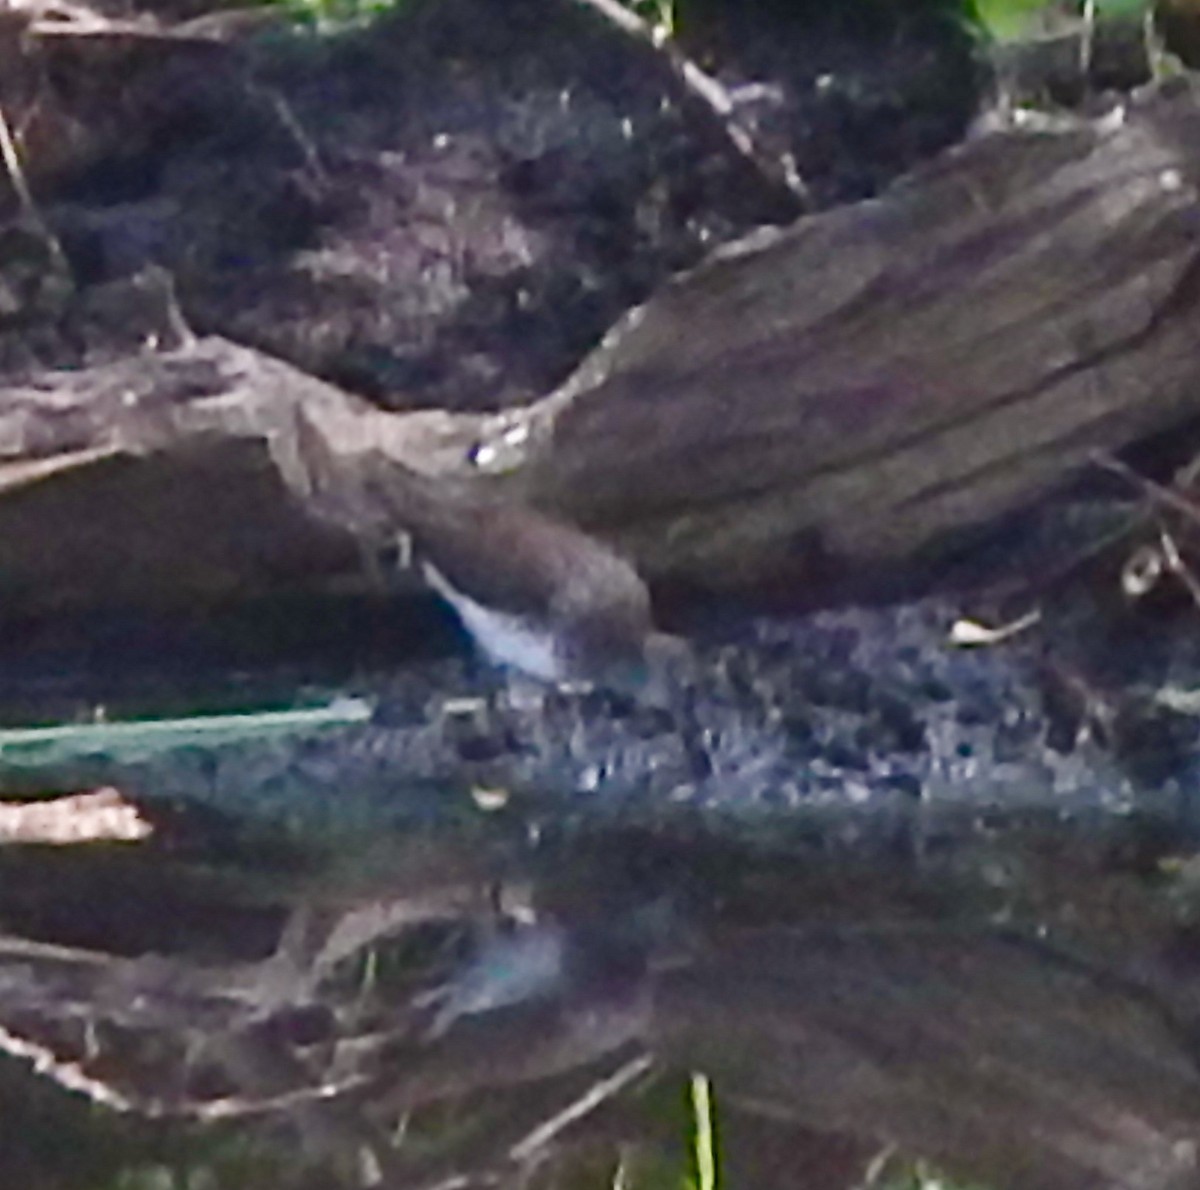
{"x": 869, "y": 381}
{"x": 880, "y": 375}
{"x": 1005, "y": 1061}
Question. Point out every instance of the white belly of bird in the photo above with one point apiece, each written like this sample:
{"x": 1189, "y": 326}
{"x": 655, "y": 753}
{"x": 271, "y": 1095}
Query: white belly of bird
{"x": 505, "y": 638}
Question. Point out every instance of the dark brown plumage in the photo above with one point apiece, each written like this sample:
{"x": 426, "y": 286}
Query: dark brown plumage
{"x": 536, "y": 594}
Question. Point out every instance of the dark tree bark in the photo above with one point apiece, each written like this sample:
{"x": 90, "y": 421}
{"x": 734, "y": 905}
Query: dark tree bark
{"x": 880, "y": 375}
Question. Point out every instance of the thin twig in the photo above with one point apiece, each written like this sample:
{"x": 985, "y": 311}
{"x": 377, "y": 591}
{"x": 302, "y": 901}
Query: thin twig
{"x": 970, "y": 633}
{"x": 714, "y": 98}
{"x": 72, "y": 20}
{"x": 68, "y": 1075}
{"x": 20, "y": 185}
{"x": 1178, "y": 567}
{"x": 12, "y": 163}
{"x": 290, "y": 122}
{"x": 1156, "y": 491}
{"x": 605, "y": 1089}
{"x": 235, "y": 1108}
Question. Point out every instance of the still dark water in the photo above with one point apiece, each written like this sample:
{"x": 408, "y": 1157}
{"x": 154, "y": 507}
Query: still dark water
{"x": 845, "y": 913}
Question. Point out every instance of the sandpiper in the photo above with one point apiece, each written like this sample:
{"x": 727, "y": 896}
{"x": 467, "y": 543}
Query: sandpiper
{"x": 537, "y": 595}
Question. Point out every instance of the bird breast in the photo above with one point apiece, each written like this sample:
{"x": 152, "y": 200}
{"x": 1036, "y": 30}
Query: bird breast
{"x": 507, "y": 639}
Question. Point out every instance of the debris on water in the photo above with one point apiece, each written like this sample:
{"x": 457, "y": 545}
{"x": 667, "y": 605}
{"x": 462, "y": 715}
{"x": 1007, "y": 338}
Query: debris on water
{"x": 30, "y": 747}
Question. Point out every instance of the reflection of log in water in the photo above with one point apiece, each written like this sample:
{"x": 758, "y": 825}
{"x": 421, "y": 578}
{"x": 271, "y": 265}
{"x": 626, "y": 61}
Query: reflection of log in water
{"x": 985, "y": 1050}
{"x": 864, "y": 997}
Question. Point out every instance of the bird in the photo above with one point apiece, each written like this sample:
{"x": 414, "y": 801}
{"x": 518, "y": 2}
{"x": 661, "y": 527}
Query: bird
{"x": 526, "y": 962}
{"x": 538, "y": 596}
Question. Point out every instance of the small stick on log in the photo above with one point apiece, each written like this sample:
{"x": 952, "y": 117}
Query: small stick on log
{"x": 780, "y": 173}
{"x": 20, "y": 185}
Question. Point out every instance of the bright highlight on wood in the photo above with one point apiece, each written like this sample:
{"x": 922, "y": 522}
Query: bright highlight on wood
{"x": 102, "y": 814}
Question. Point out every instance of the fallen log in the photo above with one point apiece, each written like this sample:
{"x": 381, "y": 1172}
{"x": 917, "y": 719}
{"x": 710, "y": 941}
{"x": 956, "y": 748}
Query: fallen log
{"x": 866, "y": 383}
{"x": 879, "y": 376}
